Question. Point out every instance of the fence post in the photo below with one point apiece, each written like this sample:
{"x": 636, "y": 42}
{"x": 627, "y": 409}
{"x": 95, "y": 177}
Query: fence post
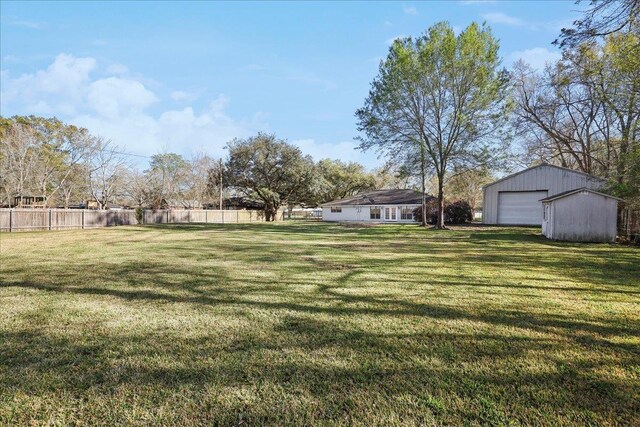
{"x": 10, "y": 220}
{"x": 189, "y": 216}
{"x": 167, "y": 216}
{"x": 222, "y": 213}
{"x": 237, "y": 217}
{"x": 49, "y": 219}
{"x": 82, "y": 219}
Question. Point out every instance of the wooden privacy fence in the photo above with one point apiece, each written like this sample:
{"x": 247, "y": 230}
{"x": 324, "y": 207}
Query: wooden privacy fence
{"x": 64, "y": 219}
{"x": 180, "y": 216}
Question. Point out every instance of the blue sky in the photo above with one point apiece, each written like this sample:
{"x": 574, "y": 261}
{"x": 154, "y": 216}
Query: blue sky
{"x": 187, "y": 77}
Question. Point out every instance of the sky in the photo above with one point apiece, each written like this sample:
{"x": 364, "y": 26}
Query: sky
{"x": 187, "y": 77}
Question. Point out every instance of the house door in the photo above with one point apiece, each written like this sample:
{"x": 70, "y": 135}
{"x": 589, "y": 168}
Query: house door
{"x": 390, "y": 214}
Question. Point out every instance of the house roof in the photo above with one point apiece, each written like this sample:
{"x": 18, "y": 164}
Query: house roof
{"x": 380, "y": 197}
{"x": 577, "y": 190}
{"x": 539, "y": 166}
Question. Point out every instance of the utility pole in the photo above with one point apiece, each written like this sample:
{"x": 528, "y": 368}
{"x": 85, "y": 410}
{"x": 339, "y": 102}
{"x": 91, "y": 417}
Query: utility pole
{"x": 220, "y": 183}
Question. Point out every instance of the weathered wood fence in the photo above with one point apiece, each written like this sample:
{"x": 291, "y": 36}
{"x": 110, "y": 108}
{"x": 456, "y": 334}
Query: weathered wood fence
{"x": 65, "y": 219}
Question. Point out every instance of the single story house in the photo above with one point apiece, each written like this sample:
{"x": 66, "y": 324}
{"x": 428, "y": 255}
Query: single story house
{"x": 374, "y": 206}
{"x": 515, "y": 199}
{"x": 580, "y": 215}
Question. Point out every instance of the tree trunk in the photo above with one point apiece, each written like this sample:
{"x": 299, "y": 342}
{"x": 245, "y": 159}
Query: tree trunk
{"x": 440, "y": 222}
{"x": 424, "y": 197}
{"x": 270, "y": 213}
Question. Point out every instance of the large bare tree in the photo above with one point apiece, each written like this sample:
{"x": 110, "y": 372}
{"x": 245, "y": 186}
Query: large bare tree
{"x": 107, "y": 172}
{"x": 583, "y": 112}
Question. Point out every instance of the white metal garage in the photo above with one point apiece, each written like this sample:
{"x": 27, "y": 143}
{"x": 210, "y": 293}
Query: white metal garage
{"x": 515, "y": 199}
{"x": 520, "y": 207}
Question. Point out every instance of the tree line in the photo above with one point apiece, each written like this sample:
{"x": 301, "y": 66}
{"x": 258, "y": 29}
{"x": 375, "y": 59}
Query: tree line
{"x": 442, "y": 111}
{"x": 69, "y": 166}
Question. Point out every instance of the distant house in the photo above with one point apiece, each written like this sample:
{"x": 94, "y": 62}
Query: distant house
{"x": 581, "y": 215}
{"x": 374, "y": 206}
{"x": 515, "y": 199}
{"x": 29, "y": 202}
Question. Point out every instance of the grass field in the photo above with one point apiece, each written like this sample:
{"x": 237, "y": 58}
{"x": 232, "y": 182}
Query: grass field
{"x": 299, "y": 324}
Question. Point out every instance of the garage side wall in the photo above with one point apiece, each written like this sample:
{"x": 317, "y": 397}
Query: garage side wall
{"x": 553, "y": 180}
{"x": 584, "y": 217}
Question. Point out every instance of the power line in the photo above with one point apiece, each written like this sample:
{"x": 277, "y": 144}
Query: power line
{"x": 129, "y": 154}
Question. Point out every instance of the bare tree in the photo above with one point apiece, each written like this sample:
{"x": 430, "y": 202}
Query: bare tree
{"x": 107, "y": 171}
{"x": 582, "y": 112}
{"x": 136, "y": 187}
{"x": 603, "y": 18}
{"x": 19, "y": 159}
{"x": 197, "y": 190}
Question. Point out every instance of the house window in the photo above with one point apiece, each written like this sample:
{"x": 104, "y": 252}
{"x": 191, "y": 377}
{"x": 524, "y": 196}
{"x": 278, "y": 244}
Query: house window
{"x": 406, "y": 213}
{"x": 393, "y": 214}
{"x": 336, "y": 210}
{"x": 374, "y": 213}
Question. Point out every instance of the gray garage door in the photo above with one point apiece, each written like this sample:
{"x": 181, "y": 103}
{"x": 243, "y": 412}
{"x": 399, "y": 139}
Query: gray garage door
{"x": 520, "y": 207}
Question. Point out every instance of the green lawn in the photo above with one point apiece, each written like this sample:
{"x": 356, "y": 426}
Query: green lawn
{"x": 310, "y": 323}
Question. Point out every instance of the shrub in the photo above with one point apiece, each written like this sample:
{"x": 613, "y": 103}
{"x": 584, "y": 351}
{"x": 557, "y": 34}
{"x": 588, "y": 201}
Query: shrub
{"x": 458, "y": 212}
{"x": 139, "y": 214}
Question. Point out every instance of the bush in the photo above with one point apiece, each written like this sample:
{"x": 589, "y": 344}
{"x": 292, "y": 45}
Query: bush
{"x": 458, "y": 212}
{"x": 139, "y": 214}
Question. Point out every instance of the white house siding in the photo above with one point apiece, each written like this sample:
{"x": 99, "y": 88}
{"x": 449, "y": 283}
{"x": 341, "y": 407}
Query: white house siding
{"x": 581, "y": 217}
{"x": 362, "y": 213}
{"x": 547, "y": 178}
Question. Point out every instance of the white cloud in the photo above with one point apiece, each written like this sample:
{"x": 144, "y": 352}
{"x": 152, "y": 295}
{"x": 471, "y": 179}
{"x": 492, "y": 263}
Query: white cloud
{"x": 388, "y": 24}
{"x": 537, "y": 57}
{"x": 114, "y": 96}
{"x": 182, "y": 96}
{"x": 118, "y": 108}
{"x": 126, "y": 110}
{"x": 117, "y": 69}
{"x": 26, "y": 24}
{"x": 410, "y": 10}
{"x": 61, "y": 87}
{"x": 502, "y": 18}
{"x": 10, "y": 58}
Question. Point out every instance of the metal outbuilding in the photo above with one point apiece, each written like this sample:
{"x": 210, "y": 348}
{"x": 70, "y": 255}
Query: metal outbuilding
{"x": 515, "y": 199}
{"x": 581, "y": 215}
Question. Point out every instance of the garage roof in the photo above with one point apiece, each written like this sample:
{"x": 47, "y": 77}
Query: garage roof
{"x": 577, "y": 190}
{"x": 539, "y": 166}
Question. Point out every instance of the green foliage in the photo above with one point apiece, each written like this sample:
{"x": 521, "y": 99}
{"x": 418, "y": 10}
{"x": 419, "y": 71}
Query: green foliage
{"x": 440, "y": 98}
{"x": 458, "y": 212}
{"x": 339, "y": 180}
{"x": 139, "y": 215}
{"x": 270, "y": 169}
